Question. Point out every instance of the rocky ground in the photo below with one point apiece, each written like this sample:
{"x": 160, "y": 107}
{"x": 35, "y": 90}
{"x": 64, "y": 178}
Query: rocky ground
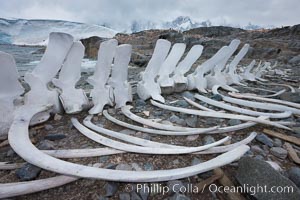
{"x": 282, "y": 45}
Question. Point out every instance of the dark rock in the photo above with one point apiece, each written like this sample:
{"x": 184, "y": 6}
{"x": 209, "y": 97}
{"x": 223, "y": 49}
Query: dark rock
{"x": 294, "y": 60}
{"x": 217, "y": 97}
{"x": 140, "y": 103}
{"x": 124, "y": 196}
{"x": 144, "y": 192}
{"x": 28, "y": 172}
{"x": 46, "y": 145}
{"x": 53, "y": 137}
{"x": 178, "y": 196}
{"x": 111, "y": 188}
{"x": 208, "y": 140}
{"x": 103, "y": 159}
{"x": 10, "y": 152}
{"x": 139, "y": 59}
{"x": 279, "y": 152}
{"x": 182, "y": 103}
{"x": 192, "y": 121}
{"x": 100, "y": 197}
{"x": 277, "y": 142}
{"x": 134, "y": 196}
{"x": 111, "y": 166}
{"x": 264, "y": 139}
{"x": 257, "y": 149}
{"x": 233, "y": 122}
{"x": 294, "y": 175}
{"x": 289, "y": 96}
{"x": 259, "y": 157}
{"x": 253, "y": 172}
{"x": 177, "y": 120}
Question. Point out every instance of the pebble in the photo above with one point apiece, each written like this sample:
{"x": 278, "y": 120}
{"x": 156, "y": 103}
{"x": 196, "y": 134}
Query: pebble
{"x": 233, "y": 122}
{"x": 217, "y": 97}
{"x": 259, "y": 157}
{"x": 124, "y": 166}
{"x": 128, "y": 132}
{"x": 134, "y": 196}
{"x": 111, "y": 188}
{"x": 56, "y": 136}
{"x": 279, "y": 152}
{"x": 296, "y": 130}
{"x": 257, "y": 149}
{"x": 111, "y": 166}
{"x": 103, "y": 159}
{"x": 188, "y": 95}
{"x": 208, "y": 140}
{"x": 177, "y": 120}
{"x": 182, "y": 103}
{"x": 144, "y": 192}
{"x": 192, "y": 121}
{"x": 277, "y": 142}
{"x": 28, "y": 172}
{"x": 192, "y": 137}
{"x": 264, "y": 139}
{"x": 294, "y": 175}
{"x": 148, "y": 166}
{"x": 136, "y": 167}
{"x": 196, "y": 161}
{"x": 57, "y": 117}
{"x": 46, "y": 145}
{"x": 175, "y": 162}
{"x": 48, "y": 127}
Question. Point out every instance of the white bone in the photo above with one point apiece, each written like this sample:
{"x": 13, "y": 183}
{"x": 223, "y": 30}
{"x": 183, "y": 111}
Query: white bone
{"x": 10, "y": 89}
{"x": 126, "y": 111}
{"x": 218, "y": 115}
{"x": 82, "y": 153}
{"x": 184, "y": 66}
{"x": 164, "y": 80}
{"x": 247, "y": 75}
{"x": 158, "y": 132}
{"x": 242, "y": 110}
{"x": 139, "y": 149}
{"x": 148, "y": 87}
{"x": 118, "y": 81}
{"x": 21, "y": 144}
{"x": 233, "y": 77}
{"x": 278, "y": 84}
{"x": 261, "y": 70}
{"x": 253, "y": 104}
{"x": 196, "y": 80}
{"x": 28, "y": 187}
{"x": 287, "y": 103}
{"x": 73, "y": 100}
{"x": 38, "y": 80}
{"x": 102, "y": 93}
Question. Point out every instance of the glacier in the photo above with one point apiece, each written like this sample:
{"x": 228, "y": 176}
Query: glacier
{"x": 36, "y": 32}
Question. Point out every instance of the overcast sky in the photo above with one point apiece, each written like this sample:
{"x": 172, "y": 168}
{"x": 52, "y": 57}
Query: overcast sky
{"x": 120, "y": 13}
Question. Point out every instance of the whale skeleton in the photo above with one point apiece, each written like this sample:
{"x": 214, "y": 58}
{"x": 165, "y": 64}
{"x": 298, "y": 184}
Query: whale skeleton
{"x": 21, "y": 144}
{"x": 165, "y": 73}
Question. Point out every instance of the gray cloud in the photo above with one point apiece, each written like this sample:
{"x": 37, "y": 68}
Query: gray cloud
{"x": 120, "y": 13}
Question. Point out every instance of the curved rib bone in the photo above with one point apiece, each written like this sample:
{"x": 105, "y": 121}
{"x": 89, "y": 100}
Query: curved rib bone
{"x": 184, "y": 66}
{"x": 28, "y": 187}
{"x": 253, "y": 104}
{"x": 102, "y": 93}
{"x": 10, "y": 89}
{"x": 218, "y": 115}
{"x": 287, "y": 103}
{"x": 148, "y": 122}
{"x": 241, "y": 110}
{"x": 38, "y": 80}
{"x": 157, "y": 132}
{"x": 118, "y": 81}
{"x": 21, "y": 144}
{"x": 247, "y": 75}
{"x": 73, "y": 100}
{"x": 148, "y": 87}
{"x": 168, "y": 66}
{"x": 140, "y": 149}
